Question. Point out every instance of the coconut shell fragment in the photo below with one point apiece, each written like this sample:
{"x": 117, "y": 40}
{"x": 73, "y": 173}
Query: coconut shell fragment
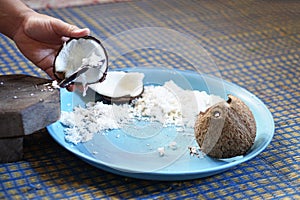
{"x": 82, "y": 60}
{"x": 119, "y": 87}
{"x": 226, "y": 130}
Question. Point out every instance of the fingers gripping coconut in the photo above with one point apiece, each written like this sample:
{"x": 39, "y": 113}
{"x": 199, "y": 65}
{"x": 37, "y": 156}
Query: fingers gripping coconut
{"x": 226, "y": 130}
{"x": 82, "y": 60}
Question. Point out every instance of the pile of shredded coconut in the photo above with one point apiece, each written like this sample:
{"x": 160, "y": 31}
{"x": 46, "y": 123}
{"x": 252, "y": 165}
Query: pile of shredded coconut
{"x": 172, "y": 105}
{"x": 168, "y": 104}
{"x": 83, "y": 123}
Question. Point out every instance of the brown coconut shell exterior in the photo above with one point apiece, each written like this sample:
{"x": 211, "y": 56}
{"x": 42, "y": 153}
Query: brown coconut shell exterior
{"x": 226, "y": 130}
{"x": 117, "y": 100}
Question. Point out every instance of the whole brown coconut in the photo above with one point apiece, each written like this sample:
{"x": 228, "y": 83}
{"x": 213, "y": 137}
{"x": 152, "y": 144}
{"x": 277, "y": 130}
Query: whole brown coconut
{"x": 226, "y": 130}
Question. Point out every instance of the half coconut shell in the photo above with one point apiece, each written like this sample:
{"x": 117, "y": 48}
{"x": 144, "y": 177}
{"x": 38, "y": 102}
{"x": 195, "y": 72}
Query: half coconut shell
{"x": 119, "y": 87}
{"x": 79, "y": 52}
{"x": 226, "y": 130}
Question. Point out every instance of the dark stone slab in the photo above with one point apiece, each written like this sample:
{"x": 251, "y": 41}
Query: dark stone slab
{"x": 11, "y": 149}
{"x": 27, "y": 104}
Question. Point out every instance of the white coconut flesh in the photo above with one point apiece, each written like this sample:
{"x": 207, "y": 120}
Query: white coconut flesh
{"x": 79, "y": 52}
{"x": 119, "y": 84}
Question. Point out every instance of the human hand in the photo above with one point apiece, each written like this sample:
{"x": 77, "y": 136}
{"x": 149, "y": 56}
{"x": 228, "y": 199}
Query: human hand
{"x": 40, "y": 37}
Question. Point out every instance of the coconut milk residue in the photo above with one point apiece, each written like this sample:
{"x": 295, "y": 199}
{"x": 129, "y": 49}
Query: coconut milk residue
{"x": 84, "y": 85}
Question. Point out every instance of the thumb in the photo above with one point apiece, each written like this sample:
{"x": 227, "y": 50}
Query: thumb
{"x": 64, "y": 29}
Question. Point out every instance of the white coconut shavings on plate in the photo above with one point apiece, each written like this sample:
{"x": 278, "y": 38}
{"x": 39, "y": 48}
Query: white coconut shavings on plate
{"x": 97, "y": 117}
{"x": 172, "y": 105}
{"x": 168, "y": 104}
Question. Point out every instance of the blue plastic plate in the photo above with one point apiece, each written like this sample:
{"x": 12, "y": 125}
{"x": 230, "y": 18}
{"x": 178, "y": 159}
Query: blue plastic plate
{"x": 133, "y": 151}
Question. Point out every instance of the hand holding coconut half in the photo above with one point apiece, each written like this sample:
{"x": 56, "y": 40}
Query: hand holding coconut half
{"x": 226, "y": 130}
{"x": 37, "y": 36}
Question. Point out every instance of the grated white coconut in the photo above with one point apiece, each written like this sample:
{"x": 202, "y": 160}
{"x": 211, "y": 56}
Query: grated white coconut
{"x": 168, "y": 104}
{"x": 172, "y": 105}
{"x": 83, "y": 123}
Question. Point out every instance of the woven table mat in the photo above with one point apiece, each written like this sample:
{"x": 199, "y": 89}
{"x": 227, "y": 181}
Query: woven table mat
{"x": 255, "y": 44}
